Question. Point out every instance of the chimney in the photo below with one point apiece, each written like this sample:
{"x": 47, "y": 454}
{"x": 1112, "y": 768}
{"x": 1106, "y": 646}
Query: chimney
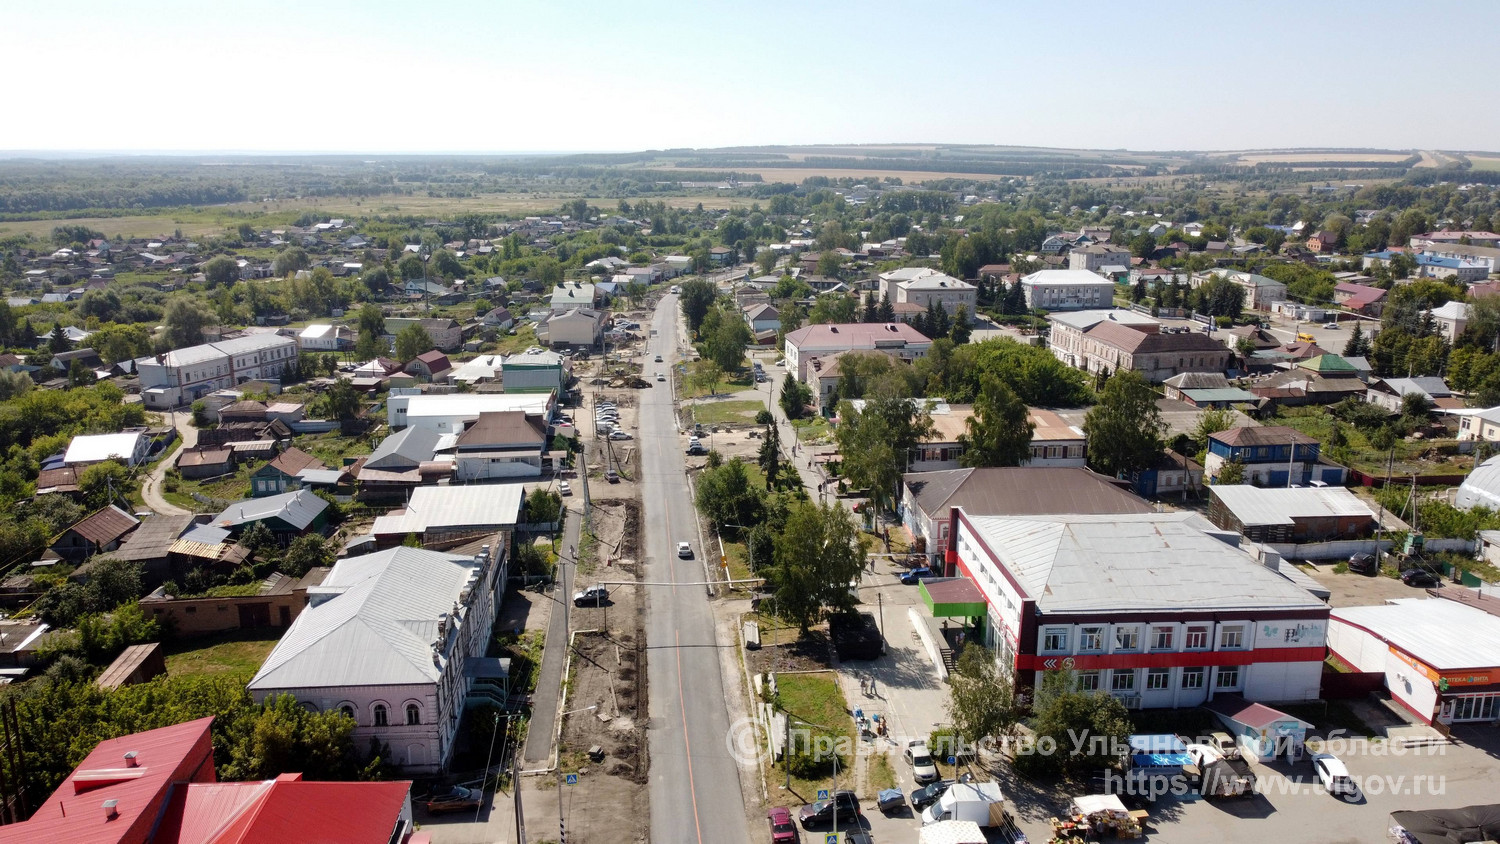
{"x": 130, "y": 759}
{"x": 110, "y": 810}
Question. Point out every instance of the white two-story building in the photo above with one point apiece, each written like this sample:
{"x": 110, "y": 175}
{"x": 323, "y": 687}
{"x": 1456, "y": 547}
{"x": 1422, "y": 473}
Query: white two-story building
{"x": 183, "y": 376}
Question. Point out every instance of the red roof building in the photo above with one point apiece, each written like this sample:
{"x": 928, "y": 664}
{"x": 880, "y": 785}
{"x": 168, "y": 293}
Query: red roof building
{"x": 159, "y": 787}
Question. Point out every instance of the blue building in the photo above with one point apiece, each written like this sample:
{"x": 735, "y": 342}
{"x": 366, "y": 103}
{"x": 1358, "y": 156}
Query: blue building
{"x": 1275, "y": 456}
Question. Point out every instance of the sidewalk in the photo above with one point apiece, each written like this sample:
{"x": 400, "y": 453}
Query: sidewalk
{"x": 544, "y": 701}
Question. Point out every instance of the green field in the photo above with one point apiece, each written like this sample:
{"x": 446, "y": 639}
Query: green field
{"x": 240, "y": 652}
{"x": 736, "y": 412}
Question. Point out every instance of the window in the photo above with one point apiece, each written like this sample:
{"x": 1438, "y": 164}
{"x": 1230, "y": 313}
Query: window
{"x": 347, "y": 710}
{"x": 1091, "y": 639}
{"x": 381, "y": 717}
{"x": 1088, "y": 681}
{"x": 1196, "y": 639}
{"x": 1192, "y": 678}
{"x": 1055, "y": 639}
{"x": 1123, "y": 681}
{"x": 1157, "y": 679}
{"x": 1228, "y": 678}
{"x": 1161, "y": 638}
{"x": 413, "y": 714}
{"x": 1232, "y": 638}
{"x": 1127, "y": 638}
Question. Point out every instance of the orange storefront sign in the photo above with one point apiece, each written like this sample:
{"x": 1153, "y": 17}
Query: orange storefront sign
{"x": 1451, "y": 678}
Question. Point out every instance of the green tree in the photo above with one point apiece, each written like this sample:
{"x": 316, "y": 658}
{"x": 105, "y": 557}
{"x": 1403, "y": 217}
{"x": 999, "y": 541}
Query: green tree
{"x": 705, "y": 375}
{"x": 445, "y": 264}
{"x": 1232, "y": 472}
{"x": 1211, "y": 422}
{"x": 306, "y": 553}
{"x": 184, "y": 320}
{"x": 769, "y": 458}
{"x": 413, "y": 340}
{"x": 961, "y": 329}
{"x": 371, "y": 342}
{"x": 344, "y": 402}
{"x": 726, "y": 496}
{"x": 411, "y": 267}
{"x": 835, "y": 308}
{"x": 830, "y": 264}
{"x": 795, "y": 397}
{"x": 222, "y": 271}
{"x": 104, "y": 483}
{"x": 876, "y": 443}
{"x": 723, "y": 338}
{"x": 999, "y": 431}
{"x": 1061, "y": 713}
{"x": 815, "y": 556}
{"x": 697, "y": 296}
{"x": 289, "y": 261}
{"x": 57, "y": 341}
{"x": 1125, "y": 428}
{"x": 543, "y": 506}
{"x": 980, "y": 699}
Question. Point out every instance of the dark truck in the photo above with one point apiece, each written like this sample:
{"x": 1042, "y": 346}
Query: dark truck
{"x": 1221, "y": 776}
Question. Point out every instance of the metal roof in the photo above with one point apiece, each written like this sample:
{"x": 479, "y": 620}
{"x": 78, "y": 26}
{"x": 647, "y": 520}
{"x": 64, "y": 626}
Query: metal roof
{"x": 1279, "y": 506}
{"x": 297, "y": 509}
{"x": 1016, "y": 491}
{"x": 97, "y": 448}
{"x": 377, "y": 629}
{"x": 407, "y": 448}
{"x": 1130, "y": 563}
{"x": 449, "y": 507}
{"x": 1427, "y": 628}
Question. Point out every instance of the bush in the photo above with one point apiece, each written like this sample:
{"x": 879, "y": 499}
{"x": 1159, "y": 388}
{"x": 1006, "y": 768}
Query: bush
{"x": 764, "y": 418}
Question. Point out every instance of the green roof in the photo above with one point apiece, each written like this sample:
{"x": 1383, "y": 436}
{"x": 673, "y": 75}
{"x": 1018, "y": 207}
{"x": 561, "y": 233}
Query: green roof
{"x": 1327, "y": 363}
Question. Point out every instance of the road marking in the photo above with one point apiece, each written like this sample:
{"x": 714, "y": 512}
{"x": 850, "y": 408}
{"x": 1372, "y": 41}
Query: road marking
{"x": 686, "y": 743}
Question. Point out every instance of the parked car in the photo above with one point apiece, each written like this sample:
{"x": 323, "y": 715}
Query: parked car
{"x": 857, "y": 836}
{"x": 1333, "y": 775}
{"x": 1364, "y": 564}
{"x": 684, "y": 550}
{"x": 564, "y": 488}
{"x": 923, "y": 769}
{"x": 890, "y": 800}
{"x": 455, "y": 799}
{"x": 594, "y": 596}
{"x": 912, "y": 577}
{"x": 928, "y": 794}
{"x": 612, "y": 476}
{"x": 783, "y": 831}
{"x": 620, "y": 435}
{"x": 1420, "y": 578}
{"x": 781, "y": 362}
{"x": 696, "y": 448}
{"x": 844, "y": 806}
{"x": 1333, "y": 325}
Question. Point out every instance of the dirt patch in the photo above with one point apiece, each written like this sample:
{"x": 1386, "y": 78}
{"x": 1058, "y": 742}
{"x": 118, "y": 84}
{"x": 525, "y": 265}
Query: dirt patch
{"x": 809, "y": 652}
{"x": 616, "y": 523}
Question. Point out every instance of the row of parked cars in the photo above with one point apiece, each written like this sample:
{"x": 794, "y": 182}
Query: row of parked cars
{"x": 1419, "y": 575}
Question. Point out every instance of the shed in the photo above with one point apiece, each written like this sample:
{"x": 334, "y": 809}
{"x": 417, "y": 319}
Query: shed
{"x": 137, "y": 664}
{"x": 1259, "y": 729}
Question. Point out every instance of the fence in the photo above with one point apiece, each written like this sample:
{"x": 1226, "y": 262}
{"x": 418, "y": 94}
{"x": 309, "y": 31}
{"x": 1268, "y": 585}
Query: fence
{"x": 1345, "y": 548}
{"x": 1339, "y": 686}
{"x": 314, "y": 426}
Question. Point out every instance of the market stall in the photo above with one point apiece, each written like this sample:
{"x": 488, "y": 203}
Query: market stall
{"x": 1096, "y": 817}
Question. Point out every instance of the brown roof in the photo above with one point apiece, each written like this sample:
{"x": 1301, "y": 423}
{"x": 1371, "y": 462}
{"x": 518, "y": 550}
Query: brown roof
{"x": 205, "y": 456}
{"x": 126, "y": 664}
{"x": 434, "y": 360}
{"x": 1020, "y": 491}
{"x": 294, "y": 460}
{"x": 1272, "y": 435}
{"x": 105, "y": 526}
{"x": 58, "y": 480}
{"x": 506, "y": 426}
{"x": 246, "y": 406}
{"x": 152, "y": 539}
{"x": 1139, "y": 342}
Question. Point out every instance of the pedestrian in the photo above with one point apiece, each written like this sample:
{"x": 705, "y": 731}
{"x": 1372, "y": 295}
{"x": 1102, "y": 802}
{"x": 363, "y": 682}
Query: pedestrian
{"x": 862, "y": 684}
{"x": 872, "y": 686}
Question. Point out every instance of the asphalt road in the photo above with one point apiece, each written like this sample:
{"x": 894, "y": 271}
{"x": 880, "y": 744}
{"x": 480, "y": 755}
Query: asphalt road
{"x": 695, "y": 784}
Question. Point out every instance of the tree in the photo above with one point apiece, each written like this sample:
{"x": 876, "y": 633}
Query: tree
{"x": 412, "y": 341}
{"x": 830, "y": 264}
{"x": 769, "y": 458}
{"x": 1125, "y": 428}
{"x": 723, "y": 338}
{"x": 344, "y": 402}
{"x": 1061, "y": 713}
{"x": 795, "y": 397}
{"x": 697, "y": 296}
{"x": 104, "y": 483}
{"x": 290, "y": 260}
{"x": 376, "y": 281}
{"x": 222, "y": 271}
{"x": 371, "y": 342}
{"x": 765, "y": 261}
{"x": 306, "y": 553}
{"x": 543, "y": 506}
{"x": 445, "y": 264}
{"x": 1211, "y": 422}
{"x": 411, "y": 267}
{"x": 980, "y": 699}
{"x": 1230, "y": 473}
{"x": 726, "y": 495}
{"x": 184, "y": 320}
{"x": 815, "y": 556}
{"x": 57, "y": 341}
{"x": 103, "y": 305}
{"x": 13, "y": 384}
{"x": 999, "y": 431}
{"x": 876, "y": 443}
{"x": 833, "y": 308}
{"x": 705, "y": 375}
{"x": 960, "y": 330}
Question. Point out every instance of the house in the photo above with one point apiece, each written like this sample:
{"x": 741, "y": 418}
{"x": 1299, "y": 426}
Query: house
{"x": 1273, "y": 456}
{"x": 1065, "y": 334}
{"x": 150, "y": 545}
{"x": 1445, "y": 238}
{"x": 446, "y": 334}
{"x": 421, "y": 288}
{"x": 762, "y": 317}
{"x": 1484, "y": 256}
{"x": 205, "y": 462}
{"x": 1095, "y": 257}
{"x": 720, "y": 255}
{"x": 1389, "y": 393}
{"x": 450, "y": 414}
{"x": 579, "y": 327}
{"x": 430, "y": 366}
{"x": 1478, "y": 423}
{"x": 160, "y": 787}
{"x": 1063, "y": 290}
{"x": 1111, "y": 346}
{"x": 508, "y": 444}
{"x": 1055, "y": 442}
{"x": 96, "y": 533}
{"x": 1261, "y": 292}
{"x": 74, "y": 334}
{"x": 1439, "y": 656}
{"x": 1290, "y": 515}
{"x": 1321, "y": 379}
{"x": 402, "y": 462}
{"x": 500, "y": 318}
{"x": 896, "y": 339}
{"x": 436, "y": 514}
{"x": 1359, "y": 298}
{"x": 63, "y": 479}
{"x": 130, "y": 448}
{"x": 421, "y": 621}
{"x": 535, "y": 371}
{"x": 573, "y": 294}
{"x": 288, "y": 515}
{"x": 1458, "y": 269}
{"x": 87, "y": 358}
{"x": 928, "y": 498}
{"x": 482, "y": 369}
{"x": 242, "y": 412}
{"x": 183, "y": 376}
{"x": 1322, "y": 242}
{"x": 275, "y": 605}
{"x": 924, "y": 287}
{"x": 325, "y": 338}
{"x": 136, "y": 664}
{"x": 1159, "y": 610}
{"x": 1451, "y": 319}
{"x": 1171, "y": 473}
{"x": 281, "y": 474}
{"x": 1205, "y": 389}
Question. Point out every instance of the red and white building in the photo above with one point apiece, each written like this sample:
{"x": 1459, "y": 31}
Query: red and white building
{"x": 1158, "y": 609}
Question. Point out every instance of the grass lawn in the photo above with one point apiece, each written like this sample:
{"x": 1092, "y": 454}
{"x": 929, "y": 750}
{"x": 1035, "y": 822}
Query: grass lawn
{"x": 815, "y": 697}
{"x": 808, "y": 430}
{"x": 332, "y": 447}
{"x": 738, "y": 412}
{"x": 738, "y": 555}
{"x": 1317, "y": 423}
{"x": 879, "y": 774}
{"x": 509, "y": 344}
{"x": 735, "y": 381}
{"x": 237, "y": 652}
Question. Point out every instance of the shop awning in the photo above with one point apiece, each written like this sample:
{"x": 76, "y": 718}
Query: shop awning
{"x": 953, "y": 597}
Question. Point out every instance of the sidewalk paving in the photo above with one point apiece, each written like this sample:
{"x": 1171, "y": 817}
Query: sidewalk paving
{"x": 544, "y": 700}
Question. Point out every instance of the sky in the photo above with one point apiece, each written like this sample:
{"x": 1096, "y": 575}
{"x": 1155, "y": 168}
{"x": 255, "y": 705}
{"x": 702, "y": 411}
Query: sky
{"x": 581, "y": 75}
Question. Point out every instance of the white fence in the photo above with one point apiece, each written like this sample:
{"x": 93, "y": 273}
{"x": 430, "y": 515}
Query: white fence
{"x": 1344, "y": 549}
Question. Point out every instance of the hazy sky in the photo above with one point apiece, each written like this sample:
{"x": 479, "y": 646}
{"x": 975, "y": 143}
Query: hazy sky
{"x": 563, "y": 75}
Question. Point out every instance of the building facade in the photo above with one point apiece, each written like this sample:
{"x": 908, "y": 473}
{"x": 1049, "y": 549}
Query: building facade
{"x": 1067, "y": 290}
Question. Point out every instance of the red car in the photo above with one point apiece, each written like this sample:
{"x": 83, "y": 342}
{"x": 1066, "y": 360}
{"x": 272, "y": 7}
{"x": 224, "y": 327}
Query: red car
{"x": 782, "y": 828}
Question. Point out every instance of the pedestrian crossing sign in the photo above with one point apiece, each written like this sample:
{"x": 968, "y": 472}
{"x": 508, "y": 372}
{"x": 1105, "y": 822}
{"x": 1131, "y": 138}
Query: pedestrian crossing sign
{"x": 822, "y": 794}
{"x": 572, "y": 779}
{"x": 830, "y": 838}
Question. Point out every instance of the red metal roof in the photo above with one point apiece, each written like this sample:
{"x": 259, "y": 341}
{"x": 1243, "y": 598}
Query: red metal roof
{"x": 285, "y": 809}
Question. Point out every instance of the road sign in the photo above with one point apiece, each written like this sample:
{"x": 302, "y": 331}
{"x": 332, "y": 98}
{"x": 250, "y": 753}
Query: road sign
{"x": 822, "y": 794}
{"x": 572, "y": 779}
{"x": 952, "y": 760}
{"x": 830, "y": 838}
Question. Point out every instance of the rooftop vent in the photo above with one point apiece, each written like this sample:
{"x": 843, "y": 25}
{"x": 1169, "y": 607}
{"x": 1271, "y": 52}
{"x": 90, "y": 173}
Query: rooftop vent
{"x": 110, "y": 809}
{"x": 130, "y": 759}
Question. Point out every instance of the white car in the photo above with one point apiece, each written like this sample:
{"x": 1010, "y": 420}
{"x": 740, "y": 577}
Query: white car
{"x": 658, "y": 358}
{"x": 1330, "y": 325}
{"x": 562, "y": 487}
{"x": 684, "y": 550}
{"x": 923, "y": 770}
{"x": 619, "y": 435}
{"x": 1333, "y": 775}
{"x": 660, "y": 377}
{"x": 781, "y": 362}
